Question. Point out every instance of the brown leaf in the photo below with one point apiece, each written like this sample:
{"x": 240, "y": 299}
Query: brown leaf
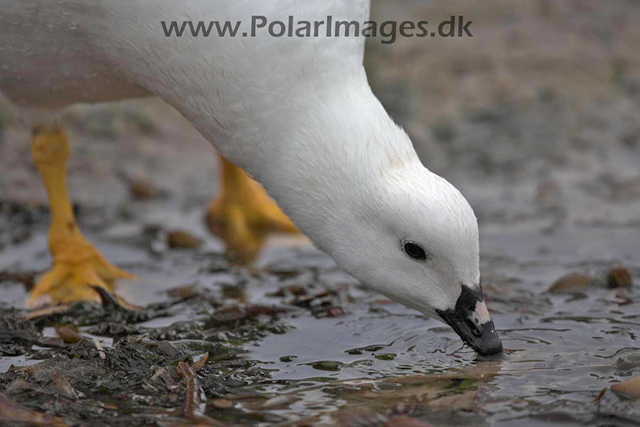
{"x": 184, "y": 371}
{"x": 193, "y": 407}
{"x": 200, "y": 363}
{"x": 184, "y": 291}
{"x": 100, "y": 349}
{"x": 599, "y": 396}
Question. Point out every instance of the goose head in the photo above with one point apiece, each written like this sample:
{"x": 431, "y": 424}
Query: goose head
{"x": 413, "y": 237}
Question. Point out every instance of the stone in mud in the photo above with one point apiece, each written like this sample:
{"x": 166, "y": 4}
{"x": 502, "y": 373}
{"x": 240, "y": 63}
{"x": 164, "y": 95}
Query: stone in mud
{"x": 143, "y": 190}
{"x": 222, "y": 403}
{"x": 619, "y": 277}
{"x": 571, "y": 283}
{"x": 234, "y": 292}
{"x": 327, "y": 365}
{"x": 27, "y": 279}
{"x": 629, "y": 389}
{"x": 385, "y": 356}
{"x": 68, "y": 334}
{"x": 178, "y": 239}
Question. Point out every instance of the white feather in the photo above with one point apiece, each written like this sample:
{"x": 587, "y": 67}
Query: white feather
{"x": 296, "y": 113}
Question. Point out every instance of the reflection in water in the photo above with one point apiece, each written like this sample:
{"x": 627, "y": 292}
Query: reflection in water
{"x": 561, "y": 349}
{"x": 380, "y": 360}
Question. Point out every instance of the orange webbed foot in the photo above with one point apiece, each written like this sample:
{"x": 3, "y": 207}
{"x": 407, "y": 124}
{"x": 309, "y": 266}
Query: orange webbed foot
{"x": 77, "y": 264}
{"x": 243, "y": 215}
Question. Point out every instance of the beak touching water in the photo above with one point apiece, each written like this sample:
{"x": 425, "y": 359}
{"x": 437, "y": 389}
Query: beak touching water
{"x": 471, "y": 320}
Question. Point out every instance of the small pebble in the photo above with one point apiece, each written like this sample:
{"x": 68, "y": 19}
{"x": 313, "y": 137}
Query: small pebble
{"x": 619, "y": 277}
{"x": 385, "y": 356}
{"x": 571, "y": 283}
{"x": 68, "y": 335}
{"x": 143, "y": 190}
{"x": 327, "y": 365}
{"x": 234, "y": 292}
{"x": 222, "y": 403}
{"x": 178, "y": 239}
{"x": 629, "y": 389}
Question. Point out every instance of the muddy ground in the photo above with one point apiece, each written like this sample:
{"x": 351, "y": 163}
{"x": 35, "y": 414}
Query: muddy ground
{"x": 535, "y": 119}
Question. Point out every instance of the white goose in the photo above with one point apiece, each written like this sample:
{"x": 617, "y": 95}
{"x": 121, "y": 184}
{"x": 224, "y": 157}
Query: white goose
{"x": 296, "y": 113}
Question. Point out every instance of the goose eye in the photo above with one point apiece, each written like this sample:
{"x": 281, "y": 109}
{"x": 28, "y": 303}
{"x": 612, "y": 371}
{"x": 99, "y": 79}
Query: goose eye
{"x": 415, "y": 251}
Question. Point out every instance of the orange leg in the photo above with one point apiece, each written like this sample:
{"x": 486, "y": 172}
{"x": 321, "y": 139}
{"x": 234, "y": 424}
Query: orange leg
{"x": 243, "y": 214}
{"x": 77, "y": 264}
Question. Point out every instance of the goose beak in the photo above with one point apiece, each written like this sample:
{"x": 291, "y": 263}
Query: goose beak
{"x": 471, "y": 320}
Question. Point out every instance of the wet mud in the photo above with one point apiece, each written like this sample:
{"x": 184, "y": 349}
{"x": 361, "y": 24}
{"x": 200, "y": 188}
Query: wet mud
{"x": 298, "y": 341}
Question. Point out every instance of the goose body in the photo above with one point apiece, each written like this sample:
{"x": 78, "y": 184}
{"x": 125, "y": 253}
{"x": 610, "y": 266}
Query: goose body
{"x": 296, "y": 113}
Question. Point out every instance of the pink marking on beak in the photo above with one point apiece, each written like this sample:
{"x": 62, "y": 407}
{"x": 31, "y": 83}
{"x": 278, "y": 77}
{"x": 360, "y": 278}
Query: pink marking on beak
{"x": 482, "y": 312}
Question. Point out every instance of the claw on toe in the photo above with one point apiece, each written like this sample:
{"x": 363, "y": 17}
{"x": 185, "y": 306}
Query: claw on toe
{"x": 74, "y": 279}
{"x": 77, "y": 265}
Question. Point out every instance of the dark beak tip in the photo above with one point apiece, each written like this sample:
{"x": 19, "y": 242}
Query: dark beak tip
{"x": 488, "y": 343}
{"x": 475, "y": 327}
{"x": 491, "y": 347}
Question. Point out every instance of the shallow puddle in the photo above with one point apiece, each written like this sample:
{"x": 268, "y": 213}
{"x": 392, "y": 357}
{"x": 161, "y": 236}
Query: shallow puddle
{"x": 342, "y": 354}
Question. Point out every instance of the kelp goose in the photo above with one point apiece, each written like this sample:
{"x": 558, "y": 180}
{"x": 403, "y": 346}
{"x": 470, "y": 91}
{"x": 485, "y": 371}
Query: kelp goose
{"x": 296, "y": 113}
